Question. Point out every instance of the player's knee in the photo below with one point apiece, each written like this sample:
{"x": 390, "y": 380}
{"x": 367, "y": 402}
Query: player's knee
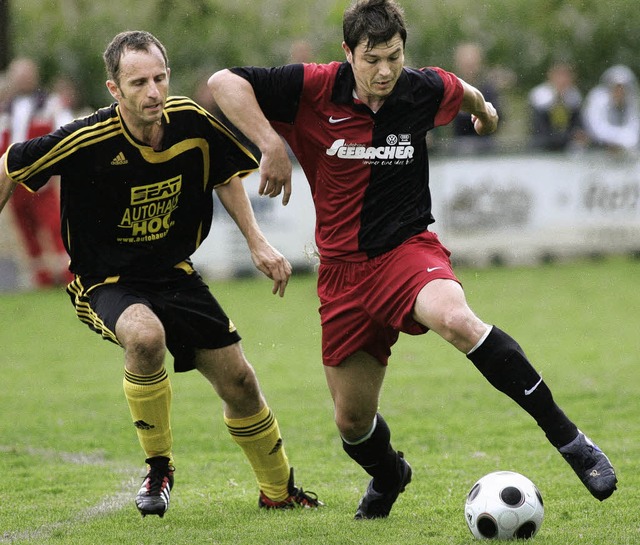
{"x": 146, "y": 345}
{"x": 457, "y": 326}
{"x": 142, "y": 335}
{"x": 353, "y": 424}
{"x": 239, "y": 386}
{"x": 245, "y": 381}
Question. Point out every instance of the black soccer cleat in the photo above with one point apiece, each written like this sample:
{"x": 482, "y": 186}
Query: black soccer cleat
{"x": 296, "y": 498}
{"x": 153, "y": 496}
{"x": 376, "y": 504}
{"x": 591, "y": 465}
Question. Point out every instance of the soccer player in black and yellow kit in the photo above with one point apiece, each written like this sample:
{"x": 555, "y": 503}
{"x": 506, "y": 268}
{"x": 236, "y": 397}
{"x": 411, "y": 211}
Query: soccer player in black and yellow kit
{"x": 136, "y": 201}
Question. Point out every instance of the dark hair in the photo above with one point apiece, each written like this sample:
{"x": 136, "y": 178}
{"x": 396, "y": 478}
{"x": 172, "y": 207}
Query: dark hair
{"x": 377, "y": 21}
{"x": 138, "y": 40}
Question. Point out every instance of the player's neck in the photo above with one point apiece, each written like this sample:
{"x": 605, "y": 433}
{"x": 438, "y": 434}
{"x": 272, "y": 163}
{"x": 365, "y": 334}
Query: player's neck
{"x": 374, "y": 103}
{"x": 148, "y": 134}
{"x": 152, "y": 135}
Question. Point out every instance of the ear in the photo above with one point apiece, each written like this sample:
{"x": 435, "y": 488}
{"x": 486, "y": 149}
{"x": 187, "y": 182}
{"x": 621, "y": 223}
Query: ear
{"x": 348, "y": 53}
{"x": 113, "y": 89}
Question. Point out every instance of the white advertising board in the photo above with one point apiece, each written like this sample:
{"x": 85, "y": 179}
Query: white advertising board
{"x": 519, "y": 209}
{"x": 511, "y": 209}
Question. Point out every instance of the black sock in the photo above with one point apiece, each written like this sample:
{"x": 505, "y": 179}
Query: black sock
{"x": 376, "y": 456}
{"x": 504, "y": 364}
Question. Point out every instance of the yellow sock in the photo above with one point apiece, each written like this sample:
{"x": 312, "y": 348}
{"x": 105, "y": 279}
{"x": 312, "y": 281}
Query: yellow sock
{"x": 259, "y": 437}
{"x": 149, "y": 398}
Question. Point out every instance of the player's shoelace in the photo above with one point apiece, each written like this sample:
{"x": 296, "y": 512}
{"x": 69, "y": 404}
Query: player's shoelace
{"x": 308, "y": 500}
{"x": 297, "y": 498}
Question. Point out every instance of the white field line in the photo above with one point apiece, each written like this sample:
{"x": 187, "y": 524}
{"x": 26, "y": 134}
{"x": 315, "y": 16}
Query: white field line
{"x": 107, "y": 504}
{"x": 79, "y": 458}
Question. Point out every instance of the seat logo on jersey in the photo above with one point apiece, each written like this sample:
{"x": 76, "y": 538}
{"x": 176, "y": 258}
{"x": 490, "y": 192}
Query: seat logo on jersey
{"x": 398, "y": 147}
{"x": 149, "y": 215}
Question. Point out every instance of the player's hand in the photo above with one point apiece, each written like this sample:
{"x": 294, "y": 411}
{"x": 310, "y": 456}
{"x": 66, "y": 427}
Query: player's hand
{"x": 486, "y": 123}
{"x": 275, "y": 172}
{"x": 272, "y": 264}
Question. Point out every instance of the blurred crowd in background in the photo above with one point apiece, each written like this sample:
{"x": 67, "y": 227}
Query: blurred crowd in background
{"x": 558, "y": 115}
{"x": 28, "y": 109}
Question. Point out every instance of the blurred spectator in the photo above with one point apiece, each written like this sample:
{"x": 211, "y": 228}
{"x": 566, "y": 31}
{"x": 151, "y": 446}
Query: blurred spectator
{"x": 4, "y": 114}
{"x": 29, "y": 112}
{"x": 556, "y": 123}
{"x": 300, "y": 51}
{"x": 611, "y": 113}
{"x": 469, "y": 66}
{"x": 69, "y": 97}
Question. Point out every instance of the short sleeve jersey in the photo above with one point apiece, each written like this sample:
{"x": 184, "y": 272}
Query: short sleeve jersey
{"x": 368, "y": 172}
{"x": 127, "y": 209}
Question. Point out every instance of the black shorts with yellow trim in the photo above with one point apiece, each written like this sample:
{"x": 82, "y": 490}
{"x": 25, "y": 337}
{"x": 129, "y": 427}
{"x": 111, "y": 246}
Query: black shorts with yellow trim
{"x": 191, "y": 316}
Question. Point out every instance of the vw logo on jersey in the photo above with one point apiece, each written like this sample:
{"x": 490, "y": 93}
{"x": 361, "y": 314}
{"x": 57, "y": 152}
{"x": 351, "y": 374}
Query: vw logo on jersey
{"x": 392, "y": 139}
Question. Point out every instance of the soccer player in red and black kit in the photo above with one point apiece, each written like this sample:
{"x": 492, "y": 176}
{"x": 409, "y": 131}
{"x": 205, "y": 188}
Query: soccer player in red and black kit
{"x": 358, "y": 129}
{"x": 136, "y": 201}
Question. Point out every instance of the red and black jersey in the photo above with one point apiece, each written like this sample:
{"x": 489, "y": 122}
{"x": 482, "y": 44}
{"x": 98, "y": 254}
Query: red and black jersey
{"x": 369, "y": 172}
{"x": 127, "y": 209}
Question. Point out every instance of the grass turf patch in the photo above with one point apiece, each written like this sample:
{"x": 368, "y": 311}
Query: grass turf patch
{"x": 71, "y": 463}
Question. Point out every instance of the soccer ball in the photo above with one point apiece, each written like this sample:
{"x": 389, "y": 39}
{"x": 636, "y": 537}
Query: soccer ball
{"x": 504, "y": 505}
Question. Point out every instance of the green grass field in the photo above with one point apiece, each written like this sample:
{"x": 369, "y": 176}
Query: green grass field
{"x": 71, "y": 463}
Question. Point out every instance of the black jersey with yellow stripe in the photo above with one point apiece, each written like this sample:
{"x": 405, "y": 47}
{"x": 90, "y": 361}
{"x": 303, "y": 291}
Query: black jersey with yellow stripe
{"x": 127, "y": 209}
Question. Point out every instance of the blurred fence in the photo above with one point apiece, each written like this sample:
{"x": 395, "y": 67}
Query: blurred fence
{"x": 502, "y": 209}
{"x": 524, "y": 209}
{"x": 512, "y": 210}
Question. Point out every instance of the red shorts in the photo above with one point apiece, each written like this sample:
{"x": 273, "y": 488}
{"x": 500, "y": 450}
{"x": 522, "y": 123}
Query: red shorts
{"x": 365, "y": 305}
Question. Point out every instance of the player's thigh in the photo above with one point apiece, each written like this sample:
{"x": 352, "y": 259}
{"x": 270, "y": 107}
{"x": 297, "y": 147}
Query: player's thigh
{"x": 355, "y": 387}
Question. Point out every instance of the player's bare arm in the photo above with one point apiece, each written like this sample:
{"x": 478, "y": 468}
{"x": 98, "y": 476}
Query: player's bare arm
{"x": 235, "y": 97}
{"x": 483, "y": 114}
{"x": 7, "y": 185}
{"x": 265, "y": 257}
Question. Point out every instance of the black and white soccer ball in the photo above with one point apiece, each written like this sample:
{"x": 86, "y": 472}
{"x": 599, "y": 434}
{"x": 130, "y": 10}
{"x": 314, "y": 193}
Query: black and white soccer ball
{"x": 504, "y": 505}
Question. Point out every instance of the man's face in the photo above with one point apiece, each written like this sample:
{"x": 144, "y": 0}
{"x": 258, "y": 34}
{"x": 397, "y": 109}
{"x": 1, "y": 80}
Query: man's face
{"x": 619, "y": 95}
{"x": 143, "y": 86}
{"x": 376, "y": 70}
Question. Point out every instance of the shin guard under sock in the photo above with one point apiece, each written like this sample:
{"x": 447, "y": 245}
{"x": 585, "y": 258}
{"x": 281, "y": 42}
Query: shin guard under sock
{"x": 149, "y": 399}
{"x": 259, "y": 438}
{"x": 504, "y": 364}
{"x": 375, "y": 455}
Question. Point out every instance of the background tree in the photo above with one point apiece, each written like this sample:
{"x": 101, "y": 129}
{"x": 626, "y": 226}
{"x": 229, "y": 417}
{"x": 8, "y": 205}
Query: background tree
{"x": 4, "y": 34}
{"x": 69, "y": 36}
